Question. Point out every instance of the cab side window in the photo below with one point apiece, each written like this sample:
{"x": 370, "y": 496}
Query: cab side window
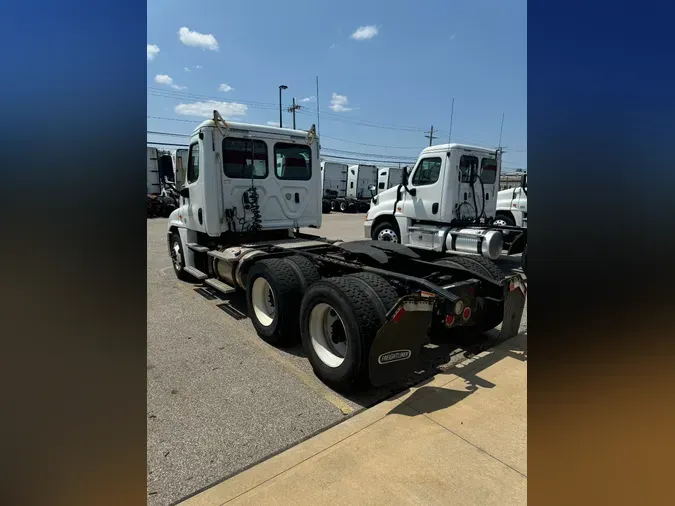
{"x": 193, "y": 163}
{"x": 427, "y": 172}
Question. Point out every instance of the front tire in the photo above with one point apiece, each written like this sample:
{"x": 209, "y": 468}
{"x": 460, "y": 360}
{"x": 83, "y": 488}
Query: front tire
{"x": 386, "y": 231}
{"x": 339, "y": 318}
{"x": 178, "y": 257}
{"x": 504, "y": 220}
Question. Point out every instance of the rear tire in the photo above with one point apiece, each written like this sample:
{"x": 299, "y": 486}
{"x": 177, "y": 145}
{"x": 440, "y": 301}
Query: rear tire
{"x": 306, "y": 271}
{"x": 333, "y": 205}
{"x": 343, "y": 206}
{"x": 339, "y": 318}
{"x": 273, "y": 294}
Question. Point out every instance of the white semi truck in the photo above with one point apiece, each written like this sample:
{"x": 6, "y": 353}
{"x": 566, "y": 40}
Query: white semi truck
{"x": 447, "y": 203}
{"x": 512, "y": 205}
{"x": 363, "y": 310}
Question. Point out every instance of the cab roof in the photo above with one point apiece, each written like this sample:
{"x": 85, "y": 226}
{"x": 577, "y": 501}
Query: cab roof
{"x": 250, "y": 127}
{"x": 447, "y": 147}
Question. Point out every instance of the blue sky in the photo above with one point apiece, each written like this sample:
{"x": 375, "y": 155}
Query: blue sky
{"x": 394, "y": 65}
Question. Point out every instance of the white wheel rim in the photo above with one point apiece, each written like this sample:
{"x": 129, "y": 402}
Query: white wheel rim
{"x": 328, "y": 335}
{"x": 500, "y": 223}
{"x": 177, "y": 259}
{"x": 387, "y": 235}
{"x": 263, "y": 301}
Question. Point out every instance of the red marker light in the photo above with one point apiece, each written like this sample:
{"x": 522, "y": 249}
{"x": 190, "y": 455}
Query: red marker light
{"x": 449, "y": 320}
{"x": 397, "y": 315}
{"x": 466, "y": 314}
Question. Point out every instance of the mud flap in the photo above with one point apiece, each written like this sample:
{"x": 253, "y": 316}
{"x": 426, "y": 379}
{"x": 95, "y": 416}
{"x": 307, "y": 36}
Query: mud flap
{"x": 396, "y": 349}
{"x": 514, "y": 303}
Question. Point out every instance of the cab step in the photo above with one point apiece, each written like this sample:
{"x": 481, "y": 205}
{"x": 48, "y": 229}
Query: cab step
{"x": 220, "y": 286}
{"x": 197, "y": 247}
{"x": 196, "y": 273}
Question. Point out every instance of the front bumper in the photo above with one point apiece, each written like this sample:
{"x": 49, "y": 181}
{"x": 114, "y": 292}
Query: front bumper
{"x": 367, "y": 227}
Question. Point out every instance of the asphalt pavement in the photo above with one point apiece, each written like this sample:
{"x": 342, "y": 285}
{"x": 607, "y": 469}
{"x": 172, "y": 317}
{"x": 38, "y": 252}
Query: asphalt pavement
{"x": 220, "y": 399}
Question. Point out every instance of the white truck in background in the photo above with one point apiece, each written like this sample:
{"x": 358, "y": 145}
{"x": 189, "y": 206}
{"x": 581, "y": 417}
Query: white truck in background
{"x": 388, "y": 177}
{"x": 512, "y": 205}
{"x": 165, "y": 175}
{"x": 447, "y": 203}
{"x": 334, "y": 184}
{"x": 363, "y": 310}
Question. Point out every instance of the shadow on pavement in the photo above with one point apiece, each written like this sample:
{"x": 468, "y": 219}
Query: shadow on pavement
{"x": 442, "y": 398}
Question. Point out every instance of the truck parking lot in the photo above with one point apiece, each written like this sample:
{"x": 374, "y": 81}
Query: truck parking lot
{"x": 219, "y": 398}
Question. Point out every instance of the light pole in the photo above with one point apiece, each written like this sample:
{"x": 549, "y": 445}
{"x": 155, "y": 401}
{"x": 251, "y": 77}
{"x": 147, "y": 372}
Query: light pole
{"x": 282, "y": 87}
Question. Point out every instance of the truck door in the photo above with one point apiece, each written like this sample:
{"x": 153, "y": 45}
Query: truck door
{"x": 423, "y": 202}
{"x": 468, "y": 168}
{"x": 195, "y": 183}
{"x": 489, "y": 174}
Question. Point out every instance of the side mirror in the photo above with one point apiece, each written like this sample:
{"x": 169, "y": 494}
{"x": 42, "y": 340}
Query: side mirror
{"x": 185, "y": 193}
{"x": 523, "y": 183}
{"x": 404, "y": 176}
{"x": 372, "y": 188}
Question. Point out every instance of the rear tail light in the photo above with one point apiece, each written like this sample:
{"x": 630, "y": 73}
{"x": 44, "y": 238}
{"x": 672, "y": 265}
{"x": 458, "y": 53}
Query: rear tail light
{"x": 449, "y": 320}
{"x": 466, "y": 314}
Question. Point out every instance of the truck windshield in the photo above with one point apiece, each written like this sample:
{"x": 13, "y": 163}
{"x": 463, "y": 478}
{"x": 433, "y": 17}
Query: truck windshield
{"x": 488, "y": 169}
{"x": 237, "y": 155}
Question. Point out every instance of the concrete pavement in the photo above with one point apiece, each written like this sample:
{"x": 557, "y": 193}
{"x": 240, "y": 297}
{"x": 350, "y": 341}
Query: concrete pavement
{"x": 459, "y": 438}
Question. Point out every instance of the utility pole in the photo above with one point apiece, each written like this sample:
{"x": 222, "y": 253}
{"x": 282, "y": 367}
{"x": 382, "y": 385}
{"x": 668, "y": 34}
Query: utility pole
{"x": 501, "y": 129}
{"x": 431, "y": 135}
{"x": 292, "y": 109}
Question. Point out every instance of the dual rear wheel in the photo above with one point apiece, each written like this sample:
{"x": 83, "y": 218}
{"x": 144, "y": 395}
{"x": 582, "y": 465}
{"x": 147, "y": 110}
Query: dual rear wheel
{"x": 336, "y": 319}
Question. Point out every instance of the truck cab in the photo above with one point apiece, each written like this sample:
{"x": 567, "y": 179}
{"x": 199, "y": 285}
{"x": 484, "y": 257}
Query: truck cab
{"x": 388, "y": 177}
{"x": 244, "y": 178}
{"x": 446, "y": 202}
{"x": 512, "y": 205}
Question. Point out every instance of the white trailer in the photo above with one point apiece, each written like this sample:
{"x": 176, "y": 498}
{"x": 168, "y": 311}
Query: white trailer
{"x": 388, "y": 177}
{"x": 334, "y": 179}
{"x": 360, "y": 178}
{"x": 362, "y": 310}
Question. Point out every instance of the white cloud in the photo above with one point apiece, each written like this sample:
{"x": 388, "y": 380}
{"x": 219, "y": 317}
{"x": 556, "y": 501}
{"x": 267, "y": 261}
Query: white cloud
{"x": 196, "y": 39}
{"x": 198, "y": 67}
{"x": 332, "y": 46}
{"x": 187, "y": 69}
{"x": 205, "y": 109}
{"x": 225, "y": 87}
{"x": 308, "y": 99}
{"x": 365, "y": 32}
{"x": 164, "y": 79}
{"x": 273, "y": 123}
{"x": 153, "y": 49}
{"x": 338, "y": 103}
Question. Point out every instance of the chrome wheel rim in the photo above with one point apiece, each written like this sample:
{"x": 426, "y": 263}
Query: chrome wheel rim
{"x": 328, "y": 335}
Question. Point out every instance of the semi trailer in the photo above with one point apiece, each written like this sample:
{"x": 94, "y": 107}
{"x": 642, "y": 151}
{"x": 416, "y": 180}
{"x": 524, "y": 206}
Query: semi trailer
{"x": 388, "y": 177}
{"x": 162, "y": 197}
{"x": 447, "y": 203}
{"x": 363, "y": 310}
